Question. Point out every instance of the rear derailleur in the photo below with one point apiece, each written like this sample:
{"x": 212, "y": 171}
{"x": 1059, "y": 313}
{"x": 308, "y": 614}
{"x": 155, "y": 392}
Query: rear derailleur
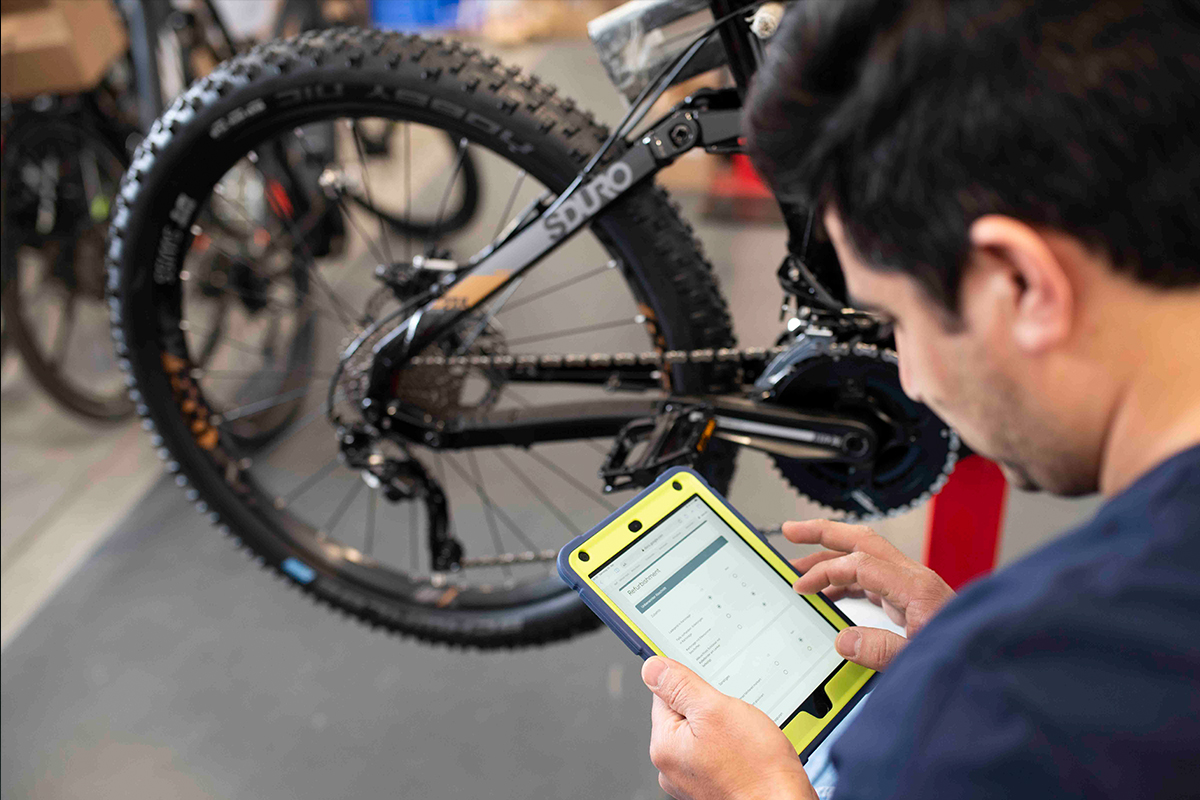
{"x": 400, "y": 480}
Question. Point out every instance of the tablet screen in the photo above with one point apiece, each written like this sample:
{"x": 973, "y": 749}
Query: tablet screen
{"x": 710, "y": 601}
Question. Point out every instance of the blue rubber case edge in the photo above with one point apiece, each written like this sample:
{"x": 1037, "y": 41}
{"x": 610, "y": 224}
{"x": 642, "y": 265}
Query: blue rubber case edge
{"x": 631, "y": 639}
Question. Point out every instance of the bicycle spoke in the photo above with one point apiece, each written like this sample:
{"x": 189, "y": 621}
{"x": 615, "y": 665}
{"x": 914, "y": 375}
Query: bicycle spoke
{"x": 512, "y": 198}
{"x": 347, "y": 212}
{"x": 340, "y": 511}
{"x": 362, "y": 162}
{"x": 275, "y": 305}
{"x": 459, "y": 159}
{"x": 599, "y": 448}
{"x": 414, "y": 545}
{"x": 263, "y": 405}
{"x": 533, "y": 488}
{"x": 407, "y": 139}
{"x": 568, "y": 477}
{"x": 488, "y": 508}
{"x": 62, "y": 336}
{"x": 369, "y": 534}
{"x": 572, "y": 331}
{"x": 309, "y": 265}
{"x": 210, "y": 340}
{"x": 307, "y": 483}
{"x": 254, "y": 373}
{"x": 296, "y": 427}
{"x": 486, "y": 319}
{"x": 222, "y": 341}
{"x": 268, "y": 250}
{"x": 507, "y": 520}
{"x": 558, "y": 287}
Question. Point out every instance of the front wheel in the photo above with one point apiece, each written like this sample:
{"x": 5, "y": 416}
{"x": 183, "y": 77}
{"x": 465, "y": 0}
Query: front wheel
{"x": 366, "y": 540}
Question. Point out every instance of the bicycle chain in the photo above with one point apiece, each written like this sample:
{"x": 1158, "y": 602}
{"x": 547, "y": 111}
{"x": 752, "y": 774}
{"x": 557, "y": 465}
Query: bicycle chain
{"x": 541, "y": 556}
{"x": 745, "y": 358}
{"x": 506, "y": 364}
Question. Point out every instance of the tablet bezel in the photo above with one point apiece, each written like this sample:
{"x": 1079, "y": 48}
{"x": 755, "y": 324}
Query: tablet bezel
{"x": 843, "y": 687}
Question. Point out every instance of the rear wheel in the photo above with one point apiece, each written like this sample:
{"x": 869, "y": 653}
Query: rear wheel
{"x": 60, "y": 178}
{"x": 635, "y": 280}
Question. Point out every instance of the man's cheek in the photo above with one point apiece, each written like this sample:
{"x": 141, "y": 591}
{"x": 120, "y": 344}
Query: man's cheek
{"x": 921, "y": 373}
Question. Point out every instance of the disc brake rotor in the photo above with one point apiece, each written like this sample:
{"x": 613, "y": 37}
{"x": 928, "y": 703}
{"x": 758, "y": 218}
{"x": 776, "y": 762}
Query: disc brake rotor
{"x": 917, "y": 450}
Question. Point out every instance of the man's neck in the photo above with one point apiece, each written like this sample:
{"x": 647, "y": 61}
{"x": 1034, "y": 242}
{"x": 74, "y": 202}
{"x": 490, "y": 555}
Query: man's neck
{"x": 1158, "y": 414}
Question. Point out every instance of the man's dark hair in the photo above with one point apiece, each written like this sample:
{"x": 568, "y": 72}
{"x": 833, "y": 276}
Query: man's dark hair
{"x": 912, "y": 119}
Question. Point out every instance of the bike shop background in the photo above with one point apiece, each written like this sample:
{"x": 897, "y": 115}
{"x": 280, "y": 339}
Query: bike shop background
{"x": 143, "y": 656}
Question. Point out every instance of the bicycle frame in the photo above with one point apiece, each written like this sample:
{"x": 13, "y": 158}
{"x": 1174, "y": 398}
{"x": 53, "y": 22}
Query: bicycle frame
{"x": 696, "y": 122}
{"x": 710, "y": 119}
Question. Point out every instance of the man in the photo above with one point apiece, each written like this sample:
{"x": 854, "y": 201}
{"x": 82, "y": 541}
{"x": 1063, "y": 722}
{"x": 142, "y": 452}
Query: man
{"x": 1016, "y": 186}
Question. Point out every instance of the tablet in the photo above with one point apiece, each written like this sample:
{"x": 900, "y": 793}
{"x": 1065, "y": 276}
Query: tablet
{"x": 678, "y": 572}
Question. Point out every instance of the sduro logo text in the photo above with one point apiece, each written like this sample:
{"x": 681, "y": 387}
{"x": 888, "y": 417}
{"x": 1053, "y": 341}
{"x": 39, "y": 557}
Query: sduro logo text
{"x": 587, "y": 200}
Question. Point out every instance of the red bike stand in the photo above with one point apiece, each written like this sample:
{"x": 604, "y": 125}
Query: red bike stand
{"x": 965, "y": 522}
{"x": 736, "y": 193}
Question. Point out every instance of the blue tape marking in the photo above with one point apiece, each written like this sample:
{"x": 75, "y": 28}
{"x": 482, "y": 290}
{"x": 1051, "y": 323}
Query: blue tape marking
{"x": 298, "y": 570}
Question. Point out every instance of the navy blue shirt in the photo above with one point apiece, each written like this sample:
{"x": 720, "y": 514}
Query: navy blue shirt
{"x": 1072, "y": 673}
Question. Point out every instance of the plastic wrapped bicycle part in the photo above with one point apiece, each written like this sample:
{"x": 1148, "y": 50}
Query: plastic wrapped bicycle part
{"x": 637, "y": 40}
{"x": 765, "y": 20}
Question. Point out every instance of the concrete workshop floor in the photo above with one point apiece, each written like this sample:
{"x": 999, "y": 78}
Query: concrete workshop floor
{"x": 168, "y": 665}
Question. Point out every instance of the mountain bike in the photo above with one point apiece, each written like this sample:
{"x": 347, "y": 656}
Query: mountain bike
{"x": 473, "y": 398}
{"x": 58, "y": 181}
{"x": 63, "y": 158}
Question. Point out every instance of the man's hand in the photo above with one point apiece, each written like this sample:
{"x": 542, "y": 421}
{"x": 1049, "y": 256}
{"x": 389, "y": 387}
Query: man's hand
{"x": 860, "y": 562}
{"x": 708, "y": 745}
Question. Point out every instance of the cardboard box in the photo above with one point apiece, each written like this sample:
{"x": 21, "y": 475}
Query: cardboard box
{"x": 57, "y": 46}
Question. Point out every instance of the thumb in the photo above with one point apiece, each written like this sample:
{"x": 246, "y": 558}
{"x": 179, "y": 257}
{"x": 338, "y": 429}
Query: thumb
{"x": 684, "y": 692}
{"x": 872, "y": 647}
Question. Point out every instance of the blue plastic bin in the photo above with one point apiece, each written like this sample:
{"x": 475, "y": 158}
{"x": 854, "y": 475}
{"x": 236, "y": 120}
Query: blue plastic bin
{"x": 414, "y": 15}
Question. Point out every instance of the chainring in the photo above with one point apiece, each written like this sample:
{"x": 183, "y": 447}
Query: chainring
{"x": 917, "y": 450}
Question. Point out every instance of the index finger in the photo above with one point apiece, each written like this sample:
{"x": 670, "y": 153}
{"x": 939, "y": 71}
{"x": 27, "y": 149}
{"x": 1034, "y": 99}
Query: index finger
{"x": 839, "y": 536}
{"x": 890, "y": 581}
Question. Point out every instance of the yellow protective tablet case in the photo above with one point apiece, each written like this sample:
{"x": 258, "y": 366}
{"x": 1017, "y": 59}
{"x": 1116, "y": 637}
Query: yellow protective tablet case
{"x": 844, "y": 688}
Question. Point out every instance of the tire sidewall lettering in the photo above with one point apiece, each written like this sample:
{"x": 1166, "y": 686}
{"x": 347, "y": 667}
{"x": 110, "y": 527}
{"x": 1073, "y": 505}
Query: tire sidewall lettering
{"x": 171, "y": 239}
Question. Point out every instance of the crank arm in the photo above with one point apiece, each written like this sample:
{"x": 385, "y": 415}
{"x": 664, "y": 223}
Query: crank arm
{"x": 780, "y": 447}
{"x": 680, "y": 434}
{"x": 811, "y": 436}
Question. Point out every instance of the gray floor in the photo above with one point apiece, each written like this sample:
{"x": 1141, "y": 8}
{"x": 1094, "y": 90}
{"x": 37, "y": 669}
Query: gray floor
{"x": 169, "y": 666}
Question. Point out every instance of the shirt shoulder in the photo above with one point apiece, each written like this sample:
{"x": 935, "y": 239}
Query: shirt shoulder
{"x": 1074, "y": 668}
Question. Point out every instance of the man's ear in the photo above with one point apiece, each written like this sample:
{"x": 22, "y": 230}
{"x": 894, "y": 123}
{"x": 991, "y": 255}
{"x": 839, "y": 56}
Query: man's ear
{"x": 1043, "y": 297}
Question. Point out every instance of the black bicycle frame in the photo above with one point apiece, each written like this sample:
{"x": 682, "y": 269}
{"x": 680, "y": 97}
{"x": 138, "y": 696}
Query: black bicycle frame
{"x": 710, "y": 119}
{"x": 523, "y": 249}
